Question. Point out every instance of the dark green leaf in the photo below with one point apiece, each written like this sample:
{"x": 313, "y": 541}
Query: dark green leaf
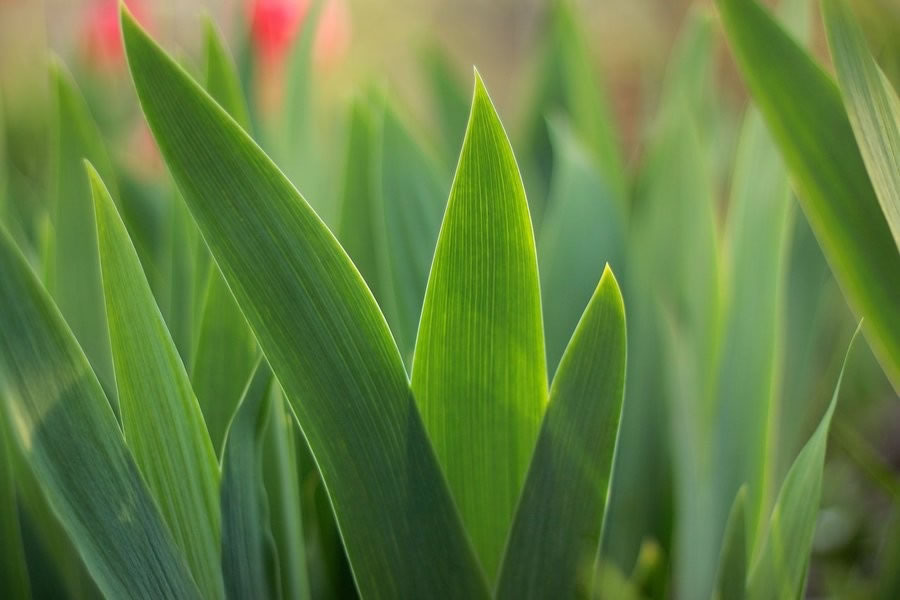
{"x": 731, "y": 580}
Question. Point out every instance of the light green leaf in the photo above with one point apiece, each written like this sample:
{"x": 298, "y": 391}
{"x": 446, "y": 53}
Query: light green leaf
{"x": 13, "y": 571}
{"x": 222, "y": 81}
{"x": 411, "y": 198}
{"x": 162, "y": 422}
{"x": 872, "y": 105}
{"x": 55, "y": 406}
{"x": 282, "y": 480}
{"x": 803, "y": 110}
{"x": 323, "y": 336}
{"x": 779, "y": 569}
{"x": 556, "y": 532}
{"x": 583, "y": 228}
{"x": 249, "y": 558}
{"x": 756, "y": 234}
{"x": 356, "y": 226}
{"x": 731, "y": 580}
{"x": 479, "y": 371}
{"x": 75, "y": 266}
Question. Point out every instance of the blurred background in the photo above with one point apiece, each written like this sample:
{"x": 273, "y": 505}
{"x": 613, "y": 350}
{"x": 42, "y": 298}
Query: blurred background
{"x": 638, "y": 146}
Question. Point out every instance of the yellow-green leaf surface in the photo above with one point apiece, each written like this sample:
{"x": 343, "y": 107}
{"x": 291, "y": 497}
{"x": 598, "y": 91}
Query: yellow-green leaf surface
{"x": 75, "y": 284}
{"x": 872, "y": 105}
{"x": 732, "y": 577}
{"x": 479, "y": 373}
{"x": 553, "y": 544}
{"x": 249, "y": 559}
{"x": 803, "y": 110}
{"x": 67, "y": 432}
{"x": 160, "y": 416}
{"x": 779, "y": 569}
{"x": 13, "y": 571}
{"x": 583, "y": 229}
{"x": 411, "y": 196}
{"x": 323, "y": 335}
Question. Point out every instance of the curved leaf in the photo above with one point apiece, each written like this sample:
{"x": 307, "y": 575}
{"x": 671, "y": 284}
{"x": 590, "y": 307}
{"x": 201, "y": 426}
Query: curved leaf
{"x": 323, "y": 336}
{"x": 803, "y": 110}
{"x": 66, "y": 430}
{"x": 479, "y": 372}
{"x": 160, "y": 416}
{"x": 554, "y": 539}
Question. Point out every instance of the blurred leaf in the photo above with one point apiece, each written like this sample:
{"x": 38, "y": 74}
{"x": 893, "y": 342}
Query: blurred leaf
{"x": 872, "y": 105}
{"x": 178, "y": 304}
{"x": 76, "y": 286}
{"x": 53, "y": 401}
{"x": 222, "y": 80}
{"x": 583, "y": 228}
{"x": 449, "y": 98}
{"x": 479, "y": 371}
{"x": 249, "y": 557}
{"x": 356, "y": 225}
{"x": 880, "y": 19}
{"x": 556, "y": 532}
{"x": 803, "y": 110}
{"x": 757, "y": 234}
{"x": 322, "y": 334}
{"x": 282, "y": 474}
{"x": 779, "y": 569}
{"x": 732, "y": 576}
{"x": 411, "y": 196}
{"x": 13, "y": 571}
{"x": 160, "y": 416}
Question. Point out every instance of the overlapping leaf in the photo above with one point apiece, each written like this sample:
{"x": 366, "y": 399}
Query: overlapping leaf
{"x": 323, "y": 336}
{"x": 556, "y": 532}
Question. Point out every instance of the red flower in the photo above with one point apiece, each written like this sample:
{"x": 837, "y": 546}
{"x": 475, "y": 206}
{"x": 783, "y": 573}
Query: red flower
{"x": 274, "y": 23}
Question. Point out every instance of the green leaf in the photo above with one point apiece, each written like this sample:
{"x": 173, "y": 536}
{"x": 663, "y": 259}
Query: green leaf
{"x": 222, "y": 81}
{"x": 55, "y": 406}
{"x": 162, "y": 422}
{"x": 556, "y": 532}
{"x": 779, "y": 570}
{"x": 803, "y": 110}
{"x": 449, "y": 98}
{"x": 356, "y": 227}
{"x": 479, "y": 371}
{"x": 757, "y": 234}
{"x": 872, "y": 105}
{"x": 249, "y": 558}
{"x": 323, "y": 336}
{"x": 13, "y": 570}
{"x": 731, "y": 580}
{"x": 410, "y": 203}
{"x": 75, "y": 265}
{"x": 583, "y": 228}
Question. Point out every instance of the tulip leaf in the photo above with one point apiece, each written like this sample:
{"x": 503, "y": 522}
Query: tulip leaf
{"x": 54, "y": 406}
{"x": 160, "y": 416}
{"x": 249, "y": 558}
{"x": 323, "y": 335}
{"x": 872, "y": 105}
{"x": 731, "y": 580}
{"x": 556, "y": 531}
{"x": 803, "y": 110}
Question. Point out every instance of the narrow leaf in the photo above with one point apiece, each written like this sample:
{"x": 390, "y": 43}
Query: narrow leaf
{"x": 479, "y": 372}
{"x": 160, "y": 416}
{"x": 779, "y": 570}
{"x": 732, "y": 578}
{"x": 803, "y": 110}
{"x": 556, "y": 531}
{"x": 222, "y": 81}
{"x": 249, "y": 559}
{"x": 66, "y": 429}
{"x": 323, "y": 336}
{"x": 872, "y": 105}
{"x": 13, "y": 571}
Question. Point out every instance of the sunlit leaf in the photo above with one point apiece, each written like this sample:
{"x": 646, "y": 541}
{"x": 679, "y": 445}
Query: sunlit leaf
{"x": 323, "y": 336}
{"x": 803, "y": 110}
{"x": 556, "y": 531}
{"x": 479, "y": 371}
{"x": 872, "y": 105}
{"x": 54, "y": 404}
{"x": 160, "y": 416}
